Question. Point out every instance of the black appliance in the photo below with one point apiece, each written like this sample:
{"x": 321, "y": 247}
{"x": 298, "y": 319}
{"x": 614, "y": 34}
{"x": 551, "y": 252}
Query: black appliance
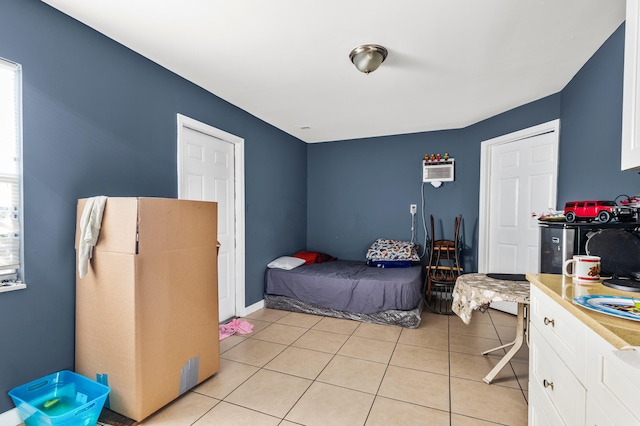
{"x": 559, "y": 241}
{"x": 619, "y": 250}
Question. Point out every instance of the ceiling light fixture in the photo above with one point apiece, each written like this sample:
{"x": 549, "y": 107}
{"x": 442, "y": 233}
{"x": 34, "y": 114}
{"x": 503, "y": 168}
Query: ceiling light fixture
{"x": 368, "y": 57}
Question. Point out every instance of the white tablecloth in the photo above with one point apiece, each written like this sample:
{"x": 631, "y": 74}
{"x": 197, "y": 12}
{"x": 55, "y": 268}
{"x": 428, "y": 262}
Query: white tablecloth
{"x": 476, "y": 291}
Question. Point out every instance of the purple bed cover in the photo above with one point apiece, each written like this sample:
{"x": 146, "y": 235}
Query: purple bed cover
{"x": 349, "y": 285}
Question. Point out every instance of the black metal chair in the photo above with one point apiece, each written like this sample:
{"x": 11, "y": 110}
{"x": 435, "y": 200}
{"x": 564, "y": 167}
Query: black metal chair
{"x": 443, "y": 270}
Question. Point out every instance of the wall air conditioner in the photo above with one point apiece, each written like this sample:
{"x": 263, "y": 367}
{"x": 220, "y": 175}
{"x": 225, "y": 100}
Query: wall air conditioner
{"x": 437, "y": 172}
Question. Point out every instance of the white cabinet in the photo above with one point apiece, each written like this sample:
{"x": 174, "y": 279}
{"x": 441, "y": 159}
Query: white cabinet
{"x": 555, "y": 383}
{"x": 596, "y": 414}
{"x": 541, "y": 412}
{"x": 564, "y": 332}
{"x": 631, "y": 89}
{"x": 575, "y": 376}
{"x": 612, "y": 382}
{"x": 556, "y": 360}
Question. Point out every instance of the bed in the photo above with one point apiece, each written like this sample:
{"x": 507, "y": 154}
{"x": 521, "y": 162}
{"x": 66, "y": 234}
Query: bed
{"x": 348, "y": 289}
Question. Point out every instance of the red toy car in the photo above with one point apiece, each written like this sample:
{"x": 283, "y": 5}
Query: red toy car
{"x": 603, "y": 211}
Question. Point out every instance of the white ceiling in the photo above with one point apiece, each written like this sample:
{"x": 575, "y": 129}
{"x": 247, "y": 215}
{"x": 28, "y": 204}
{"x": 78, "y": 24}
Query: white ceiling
{"x": 451, "y": 63}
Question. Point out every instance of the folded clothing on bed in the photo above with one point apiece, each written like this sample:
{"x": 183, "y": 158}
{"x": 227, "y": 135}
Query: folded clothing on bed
{"x": 385, "y": 253}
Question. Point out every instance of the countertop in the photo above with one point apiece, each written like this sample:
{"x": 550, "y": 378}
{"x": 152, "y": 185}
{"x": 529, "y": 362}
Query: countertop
{"x": 619, "y": 332}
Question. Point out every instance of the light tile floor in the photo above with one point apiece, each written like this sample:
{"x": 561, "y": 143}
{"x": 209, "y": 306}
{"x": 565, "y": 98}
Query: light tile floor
{"x": 299, "y": 369}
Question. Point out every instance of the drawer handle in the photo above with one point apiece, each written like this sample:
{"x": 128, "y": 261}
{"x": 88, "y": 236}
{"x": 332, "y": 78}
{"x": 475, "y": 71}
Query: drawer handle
{"x": 547, "y": 321}
{"x": 547, "y": 384}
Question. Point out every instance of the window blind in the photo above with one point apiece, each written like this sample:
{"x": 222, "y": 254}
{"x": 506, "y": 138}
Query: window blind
{"x": 10, "y": 132}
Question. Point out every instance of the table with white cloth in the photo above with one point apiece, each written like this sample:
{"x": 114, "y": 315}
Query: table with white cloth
{"x": 476, "y": 291}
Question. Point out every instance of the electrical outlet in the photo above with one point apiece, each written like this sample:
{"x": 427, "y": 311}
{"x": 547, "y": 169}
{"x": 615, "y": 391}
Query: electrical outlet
{"x": 413, "y": 209}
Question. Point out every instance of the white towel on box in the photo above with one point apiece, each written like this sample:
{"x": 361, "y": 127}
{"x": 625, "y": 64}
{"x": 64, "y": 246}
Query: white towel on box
{"x": 90, "y": 224}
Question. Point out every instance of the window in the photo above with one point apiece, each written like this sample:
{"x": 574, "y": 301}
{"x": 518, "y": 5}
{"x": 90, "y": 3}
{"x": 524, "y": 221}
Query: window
{"x": 10, "y": 171}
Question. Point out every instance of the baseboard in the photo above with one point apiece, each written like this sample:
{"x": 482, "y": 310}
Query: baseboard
{"x": 251, "y": 309}
{"x": 508, "y": 307}
{"x": 10, "y": 418}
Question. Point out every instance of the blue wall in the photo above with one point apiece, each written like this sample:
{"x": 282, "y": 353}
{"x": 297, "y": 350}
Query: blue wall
{"x": 101, "y": 119}
{"x": 361, "y": 190}
{"x": 591, "y": 129}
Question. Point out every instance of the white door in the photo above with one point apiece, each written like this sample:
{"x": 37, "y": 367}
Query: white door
{"x": 518, "y": 177}
{"x": 207, "y": 171}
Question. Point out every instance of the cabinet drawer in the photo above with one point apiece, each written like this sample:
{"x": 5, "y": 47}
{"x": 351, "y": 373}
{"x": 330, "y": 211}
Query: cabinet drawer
{"x": 555, "y": 381}
{"x": 564, "y": 332}
{"x": 596, "y": 416}
{"x": 612, "y": 382}
{"x": 541, "y": 411}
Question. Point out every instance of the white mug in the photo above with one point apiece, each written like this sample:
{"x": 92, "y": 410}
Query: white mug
{"x": 584, "y": 268}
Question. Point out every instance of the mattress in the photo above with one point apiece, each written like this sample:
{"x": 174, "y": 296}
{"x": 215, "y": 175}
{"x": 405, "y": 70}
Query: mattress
{"x": 349, "y": 286}
{"x": 407, "y": 319}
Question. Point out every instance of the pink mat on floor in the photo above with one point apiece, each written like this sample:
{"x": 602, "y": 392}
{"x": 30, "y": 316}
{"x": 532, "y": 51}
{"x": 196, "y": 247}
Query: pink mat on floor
{"x": 233, "y": 327}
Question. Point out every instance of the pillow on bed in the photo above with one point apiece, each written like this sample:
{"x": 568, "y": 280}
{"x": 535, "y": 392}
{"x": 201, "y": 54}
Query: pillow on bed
{"x": 313, "y": 257}
{"x": 384, "y": 249}
{"x": 285, "y": 262}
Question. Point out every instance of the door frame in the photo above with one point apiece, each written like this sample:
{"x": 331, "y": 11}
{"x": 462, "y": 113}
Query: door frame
{"x": 485, "y": 180}
{"x": 239, "y": 195}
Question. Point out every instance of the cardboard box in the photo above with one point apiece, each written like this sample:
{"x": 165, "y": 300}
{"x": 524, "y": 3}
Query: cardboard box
{"x": 147, "y": 310}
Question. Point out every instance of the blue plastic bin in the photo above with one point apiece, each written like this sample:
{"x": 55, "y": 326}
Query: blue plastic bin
{"x": 62, "y": 398}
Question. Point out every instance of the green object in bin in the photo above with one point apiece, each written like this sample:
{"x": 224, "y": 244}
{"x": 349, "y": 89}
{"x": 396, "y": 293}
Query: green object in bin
{"x": 50, "y": 403}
